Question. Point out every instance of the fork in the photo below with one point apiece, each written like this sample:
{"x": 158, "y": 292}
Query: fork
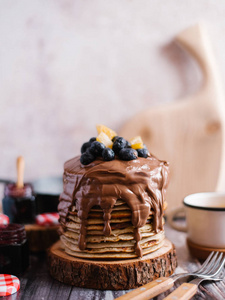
{"x": 163, "y": 284}
{"x": 186, "y": 290}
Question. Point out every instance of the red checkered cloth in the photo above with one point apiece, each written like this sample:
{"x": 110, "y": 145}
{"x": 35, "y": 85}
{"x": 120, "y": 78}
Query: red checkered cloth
{"x": 47, "y": 219}
{"x": 9, "y": 284}
{"x": 4, "y": 220}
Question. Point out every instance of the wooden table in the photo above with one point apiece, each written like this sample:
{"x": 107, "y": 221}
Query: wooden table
{"x": 36, "y": 283}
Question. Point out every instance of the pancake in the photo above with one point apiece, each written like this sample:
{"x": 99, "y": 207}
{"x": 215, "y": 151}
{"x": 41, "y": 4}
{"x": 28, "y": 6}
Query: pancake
{"x": 114, "y": 246}
{"x": 113, "y": 237}
{"x": 146, "y": 230}
{"x": 112, "y": 255}
{"x": 110, "y": 242}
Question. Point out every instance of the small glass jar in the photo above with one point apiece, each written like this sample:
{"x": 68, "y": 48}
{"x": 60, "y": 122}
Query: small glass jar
{"x": 19, "y": 203}
{"x": 14, "y": 251}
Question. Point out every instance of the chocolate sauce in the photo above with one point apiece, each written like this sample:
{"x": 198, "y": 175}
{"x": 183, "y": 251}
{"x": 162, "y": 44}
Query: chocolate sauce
{"x": 141, "y": 183}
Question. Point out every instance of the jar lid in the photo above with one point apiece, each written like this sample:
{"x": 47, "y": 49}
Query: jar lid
{"x": 47, "y": 219}
{"x": 9, "y": 284}
{"x": 4, "y": 219}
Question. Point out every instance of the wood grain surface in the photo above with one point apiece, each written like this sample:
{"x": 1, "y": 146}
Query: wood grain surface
{"x": 37, "y": 284}
{"x": 41, "y": 237}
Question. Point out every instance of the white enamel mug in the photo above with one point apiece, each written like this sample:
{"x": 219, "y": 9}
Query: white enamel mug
{"x": 205, "y": 219}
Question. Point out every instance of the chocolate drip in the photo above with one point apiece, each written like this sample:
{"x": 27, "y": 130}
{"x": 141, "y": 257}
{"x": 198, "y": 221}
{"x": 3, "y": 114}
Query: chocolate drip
{"x": 82, "y": 236}
{"x": 141, "y": 183}
{"x": 107, "y": 216}
{"x": 137, "y": 237}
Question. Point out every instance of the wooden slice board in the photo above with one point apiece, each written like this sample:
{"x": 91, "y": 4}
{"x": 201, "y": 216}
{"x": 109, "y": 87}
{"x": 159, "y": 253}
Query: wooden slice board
{"x": 111, "y": 275}
{"x": 201, "y": 252}
{"x": 40, "y": 238}
{"x": 188, "y": 133}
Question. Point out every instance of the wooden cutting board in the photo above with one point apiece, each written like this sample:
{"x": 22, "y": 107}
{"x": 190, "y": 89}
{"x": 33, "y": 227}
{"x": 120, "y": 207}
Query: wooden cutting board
{"x": 190, "y": 132}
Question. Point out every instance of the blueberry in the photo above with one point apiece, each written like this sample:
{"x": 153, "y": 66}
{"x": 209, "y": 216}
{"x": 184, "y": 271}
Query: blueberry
{"x": 128, "y": 145}
{"x": 119, "y": 144}
{"x": 108, "y": 154}
{"x": 85, "y": 146}
{"x": 92, "y": 139}
{"x": 143, "y": 152}
{"x": 128, "y": 154}
{"x": 96, "y": 148}
{"x": 86, "y": 158}
{"x": 114, "y": 138}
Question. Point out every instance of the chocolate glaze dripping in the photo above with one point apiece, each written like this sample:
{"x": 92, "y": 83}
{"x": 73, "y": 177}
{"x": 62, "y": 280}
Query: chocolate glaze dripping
{"x": 141, "y": 183}
{"x": 107, "y": 216}
{"x": 82, "y": 236}
{"x": 137, "y": 237}
{"x": 83, "y": 229}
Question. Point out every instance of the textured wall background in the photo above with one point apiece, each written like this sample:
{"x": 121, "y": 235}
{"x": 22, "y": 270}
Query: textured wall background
{"x": 66, "y": 65}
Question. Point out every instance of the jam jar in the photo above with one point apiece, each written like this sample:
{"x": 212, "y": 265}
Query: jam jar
{"x": 14, "y": 250}
{"x": 19, "y": 203}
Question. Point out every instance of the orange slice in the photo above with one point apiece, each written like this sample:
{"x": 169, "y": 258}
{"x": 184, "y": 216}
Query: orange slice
{"x": 109, "y": 132}
{"x": 104, "y": 139}
{"x": 137, "y": 143}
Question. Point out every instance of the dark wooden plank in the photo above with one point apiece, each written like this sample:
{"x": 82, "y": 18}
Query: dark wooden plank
{"x": 36, "y": 283}
{"x": 60, "y": 291}
{"x": 84, "y": 294}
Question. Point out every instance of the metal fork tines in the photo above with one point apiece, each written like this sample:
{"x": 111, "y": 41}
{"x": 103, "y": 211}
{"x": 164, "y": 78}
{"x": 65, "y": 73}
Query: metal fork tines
{"x": 212, "y": 270}
{"x": 214, "y": 260}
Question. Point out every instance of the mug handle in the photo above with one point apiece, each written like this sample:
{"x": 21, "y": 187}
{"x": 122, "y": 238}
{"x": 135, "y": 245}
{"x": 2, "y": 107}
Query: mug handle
{"x": 172, "y": 214}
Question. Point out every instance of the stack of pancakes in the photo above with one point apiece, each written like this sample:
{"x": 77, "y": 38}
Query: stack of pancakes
{"x": 113, "y": 209}
{"x": 120, "y": 243}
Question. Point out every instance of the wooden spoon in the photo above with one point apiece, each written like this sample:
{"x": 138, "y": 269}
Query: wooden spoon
{"x": 20, "y": 172}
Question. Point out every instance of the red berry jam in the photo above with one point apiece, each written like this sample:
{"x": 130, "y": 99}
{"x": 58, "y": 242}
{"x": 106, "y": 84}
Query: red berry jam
{"x": 19, "y": 203}
{"x": 14, "y": 253}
